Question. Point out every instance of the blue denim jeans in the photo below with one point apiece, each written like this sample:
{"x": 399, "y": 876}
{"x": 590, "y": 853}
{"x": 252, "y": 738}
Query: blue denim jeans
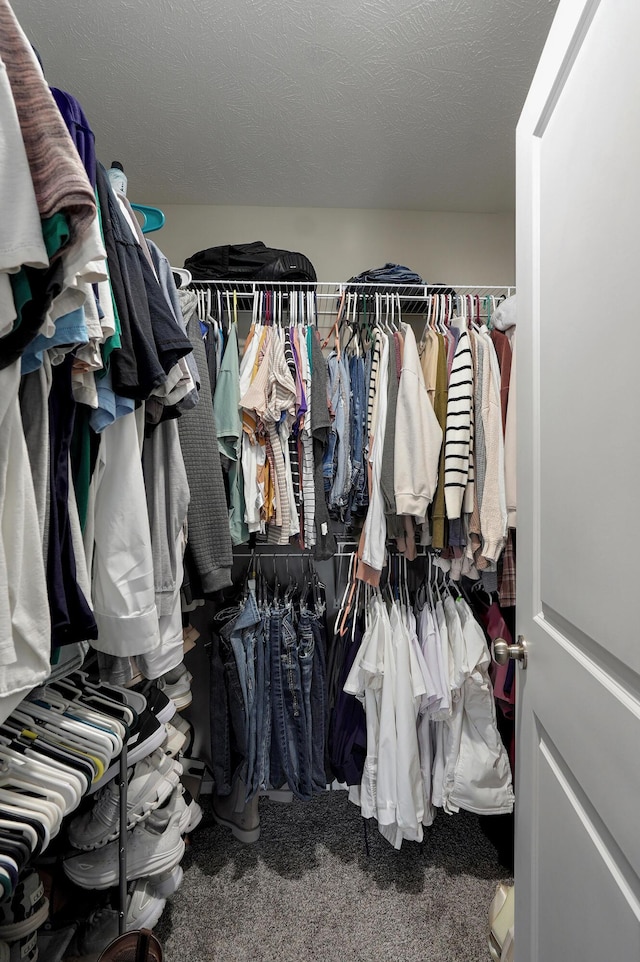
{"x": 263, "y": 703}
{"x": 289, "y": 743}
{"x": 243, "y": 640}
{"x": 226, "y": 707}
{"x": 319, "y": 707}
{"x": 306, "y": 645}
{"x": 333, "y": 393}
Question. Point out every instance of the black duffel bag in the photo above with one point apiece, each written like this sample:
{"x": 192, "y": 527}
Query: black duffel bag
{"x": 250, "y": 262}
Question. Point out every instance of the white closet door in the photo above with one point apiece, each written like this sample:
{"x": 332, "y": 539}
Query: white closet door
{"x": 578, "y": 259}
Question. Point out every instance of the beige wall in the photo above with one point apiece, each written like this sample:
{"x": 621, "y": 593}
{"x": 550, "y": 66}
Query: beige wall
{"x": 442, "y": 247}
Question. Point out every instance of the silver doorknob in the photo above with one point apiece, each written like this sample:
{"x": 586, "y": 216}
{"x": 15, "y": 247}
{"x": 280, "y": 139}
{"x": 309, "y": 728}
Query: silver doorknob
{"x": 502, "y": 652}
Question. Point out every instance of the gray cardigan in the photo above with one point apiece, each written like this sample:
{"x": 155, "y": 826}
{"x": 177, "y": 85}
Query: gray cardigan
{"x": 208, "y": 518}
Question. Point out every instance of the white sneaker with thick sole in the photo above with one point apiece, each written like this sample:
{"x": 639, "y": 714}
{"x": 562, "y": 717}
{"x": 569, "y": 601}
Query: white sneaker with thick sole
{"x": 151, "y": 850}
{"x": 195, "y": 812}
{"x": 145, "y": 906}
{"x": 166, "y": 884}
{"x": 183, "y": 804}
{"x": 151, "y": 783}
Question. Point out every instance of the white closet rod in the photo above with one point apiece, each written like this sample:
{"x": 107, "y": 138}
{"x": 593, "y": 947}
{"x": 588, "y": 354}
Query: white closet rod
{"x": 333, "y": 290}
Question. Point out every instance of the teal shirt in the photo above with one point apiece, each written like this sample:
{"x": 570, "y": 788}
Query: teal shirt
{"x": 226, "y": 409}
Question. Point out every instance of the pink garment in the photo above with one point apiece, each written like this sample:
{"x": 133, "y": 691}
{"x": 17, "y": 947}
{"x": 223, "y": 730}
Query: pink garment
{"x": 497, "y": 628}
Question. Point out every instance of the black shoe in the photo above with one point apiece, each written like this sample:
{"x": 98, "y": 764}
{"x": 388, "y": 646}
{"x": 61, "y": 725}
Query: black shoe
{"x": 147, "y": 735}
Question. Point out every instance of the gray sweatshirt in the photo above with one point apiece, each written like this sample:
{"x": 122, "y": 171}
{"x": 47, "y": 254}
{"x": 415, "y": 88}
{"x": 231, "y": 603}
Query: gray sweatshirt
{"x": 208, "y": 518}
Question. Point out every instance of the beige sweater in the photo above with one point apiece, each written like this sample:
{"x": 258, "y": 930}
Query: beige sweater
{"x": 418, "y": 437}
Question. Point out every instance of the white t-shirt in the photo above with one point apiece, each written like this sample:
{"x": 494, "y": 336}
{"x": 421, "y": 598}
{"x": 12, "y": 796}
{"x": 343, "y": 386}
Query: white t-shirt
{"x": 25, "y": 622}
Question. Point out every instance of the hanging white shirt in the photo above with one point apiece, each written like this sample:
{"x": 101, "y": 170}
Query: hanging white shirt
{"x": 419, "y": 668}
{"x": 481, "y": 777}
{"x": 409, "y": 690}
{"x": 365, "y": 682}
{"x": 25, "y": 621}
{"x": 118, "y": 540}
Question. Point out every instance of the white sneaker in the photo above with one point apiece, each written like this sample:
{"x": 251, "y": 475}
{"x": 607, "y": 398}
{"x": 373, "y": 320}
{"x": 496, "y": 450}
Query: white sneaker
{"x": 151, "y": 783}
{"x": 195, "y": 812}
{"x": 176, "y": 740}
{"x": 145, "y": 906}
{"x": 167, "y": 883}
{"x": 174, "y": 807}
{"x": 176, "y": 684}
{"x": 150, "y": 851}
{"x": 182, "y": 803}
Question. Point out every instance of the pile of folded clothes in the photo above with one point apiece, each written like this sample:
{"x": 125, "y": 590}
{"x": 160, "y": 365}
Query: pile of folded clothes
{"x": 403, "y": 279}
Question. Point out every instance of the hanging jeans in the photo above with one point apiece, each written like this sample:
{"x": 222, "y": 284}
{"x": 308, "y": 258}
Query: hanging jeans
{"x": 261, "y": 772}
{"x": 313, "y": 668}
{"x": 227, "y": 718}
{"x": 243, "y": 639}
{"x": 337, "y": 460}
{"x": 306, "y": 646}
{"x": 289, "y": 742}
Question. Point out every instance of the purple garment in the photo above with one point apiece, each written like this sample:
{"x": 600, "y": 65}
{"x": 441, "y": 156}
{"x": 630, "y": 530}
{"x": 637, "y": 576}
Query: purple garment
{"x": 81, "y": 133}
{"x": 302, "y": 409}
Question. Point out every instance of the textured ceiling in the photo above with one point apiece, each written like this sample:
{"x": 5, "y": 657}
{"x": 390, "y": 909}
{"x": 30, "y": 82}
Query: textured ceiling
{"x": 408, "y": 104}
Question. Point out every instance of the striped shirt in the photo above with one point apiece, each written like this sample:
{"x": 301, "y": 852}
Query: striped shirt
{"x": 373, "y": 381}
{"x": 458, "y": 431}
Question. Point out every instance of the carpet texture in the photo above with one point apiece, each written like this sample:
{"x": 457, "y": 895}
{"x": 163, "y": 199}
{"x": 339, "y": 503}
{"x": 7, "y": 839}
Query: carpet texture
{"x": 309, "y": 891}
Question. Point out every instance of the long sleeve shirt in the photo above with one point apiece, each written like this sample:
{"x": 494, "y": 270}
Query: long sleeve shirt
{"x": 458, "y": 431}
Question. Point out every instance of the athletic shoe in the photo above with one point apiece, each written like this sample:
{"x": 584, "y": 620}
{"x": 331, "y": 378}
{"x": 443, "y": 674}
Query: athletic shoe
{"x": 195, "y": 812}
{"x": 177, "y": 685}
{"x": 175, "y": 806}
{"x": 150, "y": 851}
{"x": 147, "y": 735}
{"x": 26, "y": 911}
{"x": 26, "y": 950}
{"x": 167, "y": 883}
{"x": 150, "y": 784}
{"x": 177, "y": 738}
{"x": 144, "y": 908}
{"x": 160, "y": 704}
{"x": 180, "y": 802}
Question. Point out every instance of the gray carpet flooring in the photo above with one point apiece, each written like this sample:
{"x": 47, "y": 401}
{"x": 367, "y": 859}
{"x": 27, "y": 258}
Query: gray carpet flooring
{"x": 308, "y": 890}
